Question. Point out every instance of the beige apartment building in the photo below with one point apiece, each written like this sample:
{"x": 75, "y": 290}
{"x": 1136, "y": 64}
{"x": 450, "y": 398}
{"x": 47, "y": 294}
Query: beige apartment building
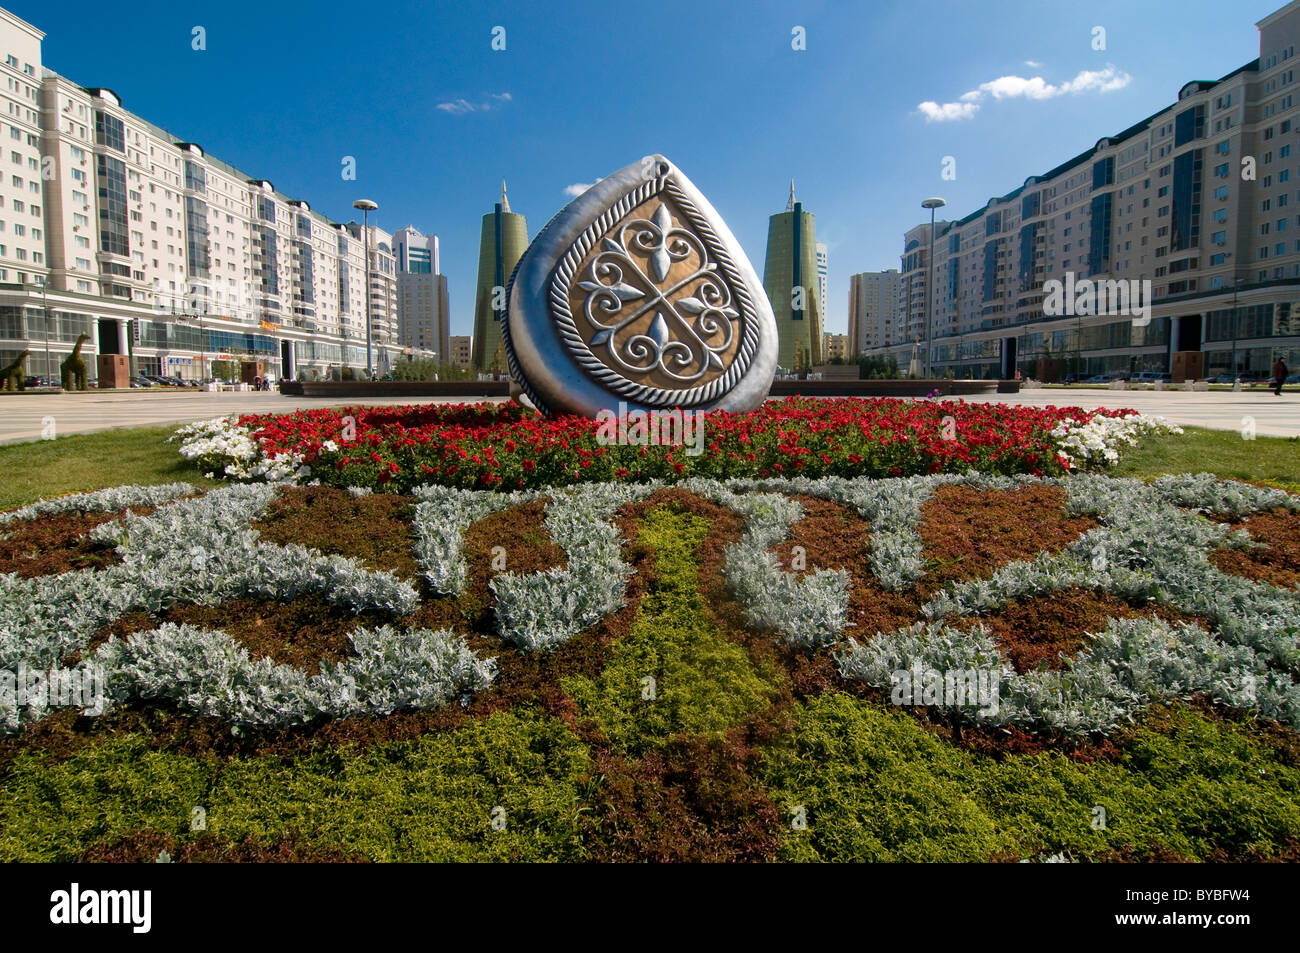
{"x": 1201, "y": 200}
{"x": 875, "y": 318}
{"x": 113, "y": 227}
{"x": 835, "y": 347}
{"x": 462, "y": 350}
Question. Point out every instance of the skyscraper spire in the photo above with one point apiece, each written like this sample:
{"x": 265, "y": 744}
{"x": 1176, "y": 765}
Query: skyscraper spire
{"x": 790, "y": 205}
{"x": 505, "y": 202}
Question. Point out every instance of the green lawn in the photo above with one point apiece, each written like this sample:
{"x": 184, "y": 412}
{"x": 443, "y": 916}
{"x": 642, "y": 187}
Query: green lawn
{"x": 81, "y": 462}
{"x": 1221, "y": 452}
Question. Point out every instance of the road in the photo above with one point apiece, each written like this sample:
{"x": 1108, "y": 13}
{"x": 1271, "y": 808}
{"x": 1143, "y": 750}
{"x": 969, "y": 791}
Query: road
{"x": 28, "y": 416}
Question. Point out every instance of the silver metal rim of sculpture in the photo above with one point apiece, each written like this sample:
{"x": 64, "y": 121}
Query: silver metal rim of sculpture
{"x": 568, "y": 329}
{"x": 545, "y": 369}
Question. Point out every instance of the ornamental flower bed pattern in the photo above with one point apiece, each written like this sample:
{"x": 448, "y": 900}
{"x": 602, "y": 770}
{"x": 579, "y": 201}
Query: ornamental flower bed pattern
{"x": 502, "y": 446}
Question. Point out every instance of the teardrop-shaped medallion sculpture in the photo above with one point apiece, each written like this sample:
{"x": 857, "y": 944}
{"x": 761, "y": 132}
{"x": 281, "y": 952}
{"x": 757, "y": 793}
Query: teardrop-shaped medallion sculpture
{"x": 637, "y": 293}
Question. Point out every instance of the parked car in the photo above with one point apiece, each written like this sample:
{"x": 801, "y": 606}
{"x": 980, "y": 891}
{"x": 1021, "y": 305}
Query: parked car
{"x": 36, "y": 381}
{"x": 1097, "y": 379}
{"x": 1146, "y": 377}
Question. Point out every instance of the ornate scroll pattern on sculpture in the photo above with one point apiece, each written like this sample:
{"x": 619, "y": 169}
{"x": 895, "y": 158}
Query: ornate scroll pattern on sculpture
{"x": 644, "y": 318}
{"x": 693, "y": 322}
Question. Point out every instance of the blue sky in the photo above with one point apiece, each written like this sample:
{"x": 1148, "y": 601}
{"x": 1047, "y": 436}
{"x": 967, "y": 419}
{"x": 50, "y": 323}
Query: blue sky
{"x": 436, "y": 118}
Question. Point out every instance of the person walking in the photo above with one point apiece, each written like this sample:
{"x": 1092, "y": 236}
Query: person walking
{"x": 1279, "y": 376}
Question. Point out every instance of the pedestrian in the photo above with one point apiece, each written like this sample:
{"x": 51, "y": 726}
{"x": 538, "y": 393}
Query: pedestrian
{"x": 1279, "y": 376}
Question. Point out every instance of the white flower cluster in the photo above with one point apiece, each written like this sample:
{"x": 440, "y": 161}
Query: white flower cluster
{"x": 1098, "y": 442}
{"x": 221, "y": 446}
{"x": 101, "y": 501}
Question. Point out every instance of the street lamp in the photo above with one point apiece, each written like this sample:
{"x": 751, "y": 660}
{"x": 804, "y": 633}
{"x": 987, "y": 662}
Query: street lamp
{"x": 931, "y": 204}
{"x": 1236, "y": 281}
{"x": 45, "y": 309}
{"x": 367, "y": 207}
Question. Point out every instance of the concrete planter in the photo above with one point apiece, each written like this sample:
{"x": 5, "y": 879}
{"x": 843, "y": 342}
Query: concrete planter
{"x": 1118, "y": 385}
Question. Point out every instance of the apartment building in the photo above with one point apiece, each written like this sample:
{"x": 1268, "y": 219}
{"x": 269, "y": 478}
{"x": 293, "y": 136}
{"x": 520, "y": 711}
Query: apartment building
{"x": 1201, "y": 199}
{"x": 462, "y": 350}
{"x": 113, "y": 227}
{"x": 875, "y": 317}
{"x": 423, "y": 311}
{"x": 835, "y": 347}
{"x": 385, "y": 327}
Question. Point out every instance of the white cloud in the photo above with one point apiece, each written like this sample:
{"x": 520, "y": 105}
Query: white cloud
{"x": 1105, "y": 80}
{"x": 577, "y": 188}
{"x": 459, "y": 107}
{"x": 1035, "y": 87}
{"x": 1033, "y": 64}
{"x": 934, "y": 112}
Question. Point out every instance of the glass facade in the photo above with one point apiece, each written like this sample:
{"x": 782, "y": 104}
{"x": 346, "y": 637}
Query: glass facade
{"x": 114, "y": 234}
{"x": 1103, "y": 173}
{"x": 1026, "y": 269}
{"x": 196, "y": 231}
{"x": 109, "y": 131}
{"x": 196, "y": 177}
{"x": 1185, "y": 225}
{"x": 990, "y": 270}
{"x": 1256, "y": 321}
{"x": 64, "y": 326}
{"x": 270, "y": 264}
{"x": 1099, "y": 235}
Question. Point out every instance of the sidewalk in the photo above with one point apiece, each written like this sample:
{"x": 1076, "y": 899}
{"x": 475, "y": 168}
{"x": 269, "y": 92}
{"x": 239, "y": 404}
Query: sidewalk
{"x": 22, "y": 416}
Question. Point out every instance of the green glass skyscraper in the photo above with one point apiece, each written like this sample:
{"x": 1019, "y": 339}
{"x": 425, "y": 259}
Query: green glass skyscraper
{"x": 502, "y": 241}
{"x": 790, "y": 279}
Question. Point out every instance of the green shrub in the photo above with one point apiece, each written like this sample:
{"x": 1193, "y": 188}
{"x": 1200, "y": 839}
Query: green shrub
{"x": 431, "y": 798}
{"x": 876, "y": 786}
{"x": 703, "y": 683}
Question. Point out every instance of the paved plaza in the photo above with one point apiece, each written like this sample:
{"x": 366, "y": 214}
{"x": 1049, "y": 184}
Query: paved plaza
{"x": 22, "y": 416}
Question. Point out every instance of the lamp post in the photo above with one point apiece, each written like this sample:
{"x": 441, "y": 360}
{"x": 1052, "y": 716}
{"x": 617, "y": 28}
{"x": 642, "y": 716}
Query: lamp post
{"x": 367, "y": 207}
{"x": 45, "y": 310}
{"x": 931, "y": 204}
{"x": 1235, "y": 282}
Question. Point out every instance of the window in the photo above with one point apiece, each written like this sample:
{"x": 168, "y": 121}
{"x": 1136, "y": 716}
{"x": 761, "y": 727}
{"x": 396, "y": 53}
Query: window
{"x": 109, "y": 131}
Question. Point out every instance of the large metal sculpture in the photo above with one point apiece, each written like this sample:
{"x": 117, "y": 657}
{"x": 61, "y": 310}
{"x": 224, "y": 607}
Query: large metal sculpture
{"x": 637, "y": 294}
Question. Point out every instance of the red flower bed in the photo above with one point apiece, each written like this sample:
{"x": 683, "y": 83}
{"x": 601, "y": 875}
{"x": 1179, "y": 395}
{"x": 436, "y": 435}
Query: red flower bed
{"x": 503, "y": 445}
